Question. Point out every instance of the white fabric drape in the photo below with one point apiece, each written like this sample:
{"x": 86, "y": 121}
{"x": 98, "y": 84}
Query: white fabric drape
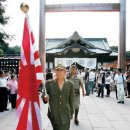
{"x": 85, "y": 62}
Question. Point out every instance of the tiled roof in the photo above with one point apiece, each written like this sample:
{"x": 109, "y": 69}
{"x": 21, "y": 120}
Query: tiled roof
{"x": 96, "y": 45}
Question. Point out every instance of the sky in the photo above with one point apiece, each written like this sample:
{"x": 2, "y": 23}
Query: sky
{"x": 63, "y": 25}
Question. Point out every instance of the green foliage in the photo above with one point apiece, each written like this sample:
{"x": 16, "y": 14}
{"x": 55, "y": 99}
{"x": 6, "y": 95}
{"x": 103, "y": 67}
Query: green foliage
{"x": 13, "y": 50}
{"x": 3, "y": 44}
{"x": 128, "y": 54}
{"x": 1, "y": 52}
{"x": 3, "y": 17}
{"x": 114, "y": 48}
{"x": 3, "y": 21}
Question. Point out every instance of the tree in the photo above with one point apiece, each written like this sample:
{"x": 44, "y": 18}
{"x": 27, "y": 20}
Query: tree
{"x": 128, "y": 54}
{"x": 3, "y": 21}
{"x": 14, "y": 50}
{"x": 114, "y": 48}
{"x": 1, "y": 52}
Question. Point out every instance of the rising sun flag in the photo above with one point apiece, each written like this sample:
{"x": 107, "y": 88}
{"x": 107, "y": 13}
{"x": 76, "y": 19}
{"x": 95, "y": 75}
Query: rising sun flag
{"x": 30, "y": 78}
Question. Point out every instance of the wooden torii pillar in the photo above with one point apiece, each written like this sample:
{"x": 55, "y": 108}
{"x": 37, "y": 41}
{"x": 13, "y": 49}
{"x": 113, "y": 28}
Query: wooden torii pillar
{"x": 87, "y": 7}
{"x": 42, "y": 39}
{"x": 122, "y": 38}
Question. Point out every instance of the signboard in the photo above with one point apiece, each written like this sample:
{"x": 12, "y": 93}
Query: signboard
{"x": 85, "y": 62}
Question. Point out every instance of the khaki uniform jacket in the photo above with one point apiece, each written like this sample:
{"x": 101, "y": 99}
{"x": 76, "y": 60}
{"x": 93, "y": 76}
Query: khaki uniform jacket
{"x": 77, "y": 83}
{"x": 61, "y": 101}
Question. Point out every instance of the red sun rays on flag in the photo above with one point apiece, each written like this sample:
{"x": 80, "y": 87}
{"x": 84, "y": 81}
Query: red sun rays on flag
{"x": 28, "y": 81}
{"x": 30, "y": 77}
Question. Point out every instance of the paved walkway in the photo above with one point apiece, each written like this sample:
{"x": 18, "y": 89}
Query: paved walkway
{"x": 95, "y": 114}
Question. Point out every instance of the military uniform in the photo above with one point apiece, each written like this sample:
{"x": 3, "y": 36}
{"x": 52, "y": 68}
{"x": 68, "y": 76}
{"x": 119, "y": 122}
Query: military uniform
{"x": 77, "y": 83}
{"x": 60, "y": 103}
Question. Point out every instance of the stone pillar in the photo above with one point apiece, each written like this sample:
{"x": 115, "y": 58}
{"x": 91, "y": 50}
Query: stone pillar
{"x": 42, "y": 40}
{"x": 122, "y": 40}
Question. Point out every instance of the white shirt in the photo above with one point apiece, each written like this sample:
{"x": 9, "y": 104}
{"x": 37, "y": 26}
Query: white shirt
{"x": 3, "y": 82}
{"x": 108, "y": 80}
{"x": 119, "y": 78}
{"x": 91, "y": 76}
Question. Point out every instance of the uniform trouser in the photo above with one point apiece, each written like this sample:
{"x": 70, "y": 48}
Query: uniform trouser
{"x": 76, "y": 113}
{"x": 120, "y": 92}
{"x": 61, "y": 126}
{"x": 101, "y": 90}
{"x": 13, "y": 100}
{"x": 91, "y": 86}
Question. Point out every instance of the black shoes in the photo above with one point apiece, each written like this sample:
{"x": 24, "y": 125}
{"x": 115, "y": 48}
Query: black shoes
{"x": 6, "y": 109}
{"x": 121, "y": 102}
{"x": 76, "y": 122}
{"x": 128, "y": 97}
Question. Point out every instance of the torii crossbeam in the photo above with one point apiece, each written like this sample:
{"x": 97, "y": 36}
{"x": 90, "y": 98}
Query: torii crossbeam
{"x": 87, "y": 7}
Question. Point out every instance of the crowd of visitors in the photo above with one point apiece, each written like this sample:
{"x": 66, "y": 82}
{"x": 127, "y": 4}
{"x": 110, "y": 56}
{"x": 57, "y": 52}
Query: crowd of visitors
{"x": 8, "y": 89}
{"x": 100, "y": 80}
{"x": 63, "y": 90}
{"x": 88, "y": 81}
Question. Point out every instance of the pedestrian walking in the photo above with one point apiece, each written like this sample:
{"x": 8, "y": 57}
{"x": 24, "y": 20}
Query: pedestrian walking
{"x": 101, "y": 84}
{"x": 107, "y": 84}
{"x": 128, "y": 86}
{"x": 61, "y": 99}
{"x": 86, "y": 80}
{"x": 77, "y": 85}
{"x": 120, "y": 79}
{"x": 91, "y": 81}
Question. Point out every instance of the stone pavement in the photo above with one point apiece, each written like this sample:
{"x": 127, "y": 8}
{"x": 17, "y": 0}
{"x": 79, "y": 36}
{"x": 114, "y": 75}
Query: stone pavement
{"x": 95, "y": 114}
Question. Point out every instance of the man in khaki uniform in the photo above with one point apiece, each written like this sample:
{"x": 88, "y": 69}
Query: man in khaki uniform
{"x": 77, "y": 84}
{"x": 61, "y": 98}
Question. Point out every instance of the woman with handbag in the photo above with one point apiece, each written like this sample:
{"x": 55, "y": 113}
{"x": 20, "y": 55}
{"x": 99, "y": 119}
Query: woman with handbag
{"x": 77, "y": 84}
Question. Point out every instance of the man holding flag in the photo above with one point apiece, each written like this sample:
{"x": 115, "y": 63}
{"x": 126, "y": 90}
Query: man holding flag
{"x": 61, "y": 99}
{"x": 30, "y": 78}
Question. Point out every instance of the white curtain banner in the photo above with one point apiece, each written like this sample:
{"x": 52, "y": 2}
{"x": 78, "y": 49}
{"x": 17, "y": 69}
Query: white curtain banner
{"x": 85, "y": 62}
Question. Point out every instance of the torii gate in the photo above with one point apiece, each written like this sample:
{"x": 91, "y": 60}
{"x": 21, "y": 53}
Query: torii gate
{"x": 87, "y": 7}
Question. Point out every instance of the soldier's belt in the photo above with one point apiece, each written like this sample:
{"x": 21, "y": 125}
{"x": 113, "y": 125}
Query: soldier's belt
{"x": 77, "y": 91}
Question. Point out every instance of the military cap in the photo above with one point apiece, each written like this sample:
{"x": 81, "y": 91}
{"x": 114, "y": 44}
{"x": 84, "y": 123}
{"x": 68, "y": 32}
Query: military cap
{"x": 60, "y": 66}
{"x": 73, "y": 66}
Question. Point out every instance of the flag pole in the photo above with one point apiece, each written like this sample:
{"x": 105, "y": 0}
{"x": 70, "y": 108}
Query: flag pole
{"x": 25, "y": 8}
{"x": 42, "y": 50}
{"x": 28, "y": 106}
